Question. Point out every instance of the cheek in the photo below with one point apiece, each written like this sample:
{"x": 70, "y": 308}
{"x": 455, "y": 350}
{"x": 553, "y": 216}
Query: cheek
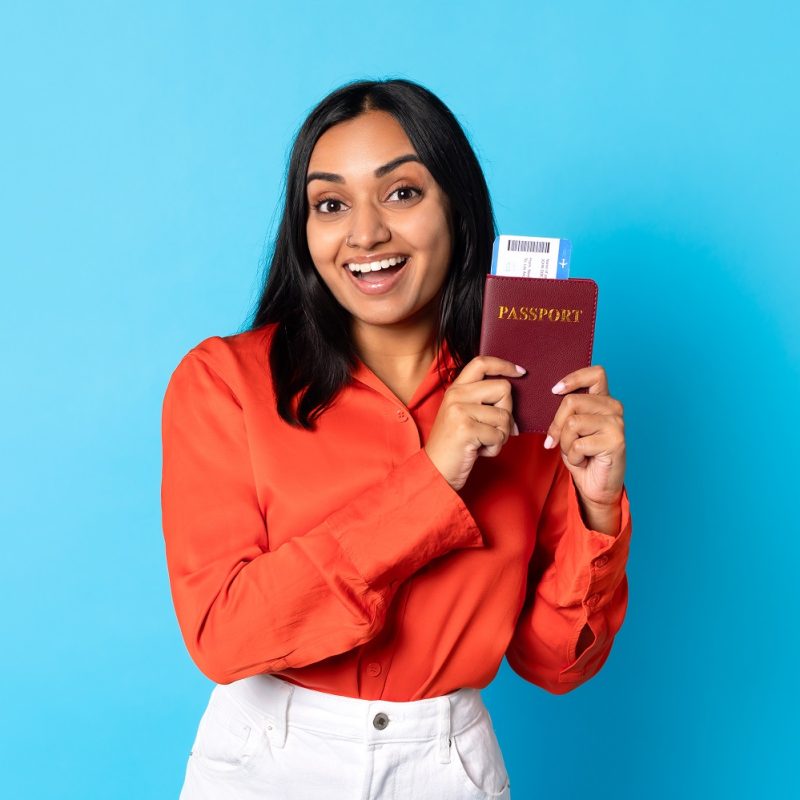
{"x": 322, "y": 244}
{"x": 430, "y": 232}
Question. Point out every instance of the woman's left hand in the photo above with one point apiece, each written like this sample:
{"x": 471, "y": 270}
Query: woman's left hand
{"x": 590, "y": 430}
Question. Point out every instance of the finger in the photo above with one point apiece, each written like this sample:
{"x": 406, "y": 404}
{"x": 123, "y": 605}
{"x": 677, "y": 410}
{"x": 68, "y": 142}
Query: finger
{"x": 491, "y": 438}
{"x": 489, "y": 427}
{"x": 494, "y": 416}
{"x": 597, "y": 445}
{"x": 593, "y": 378}
{"x": 587, "y": 435}
{"x": 581, "y": 404}
{"x": 480, "y": 366}
{"x": 494, "y": 391}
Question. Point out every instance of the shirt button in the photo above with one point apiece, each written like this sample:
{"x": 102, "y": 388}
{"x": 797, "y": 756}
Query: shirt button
{"x": 373, "y": 668}
{"x": 601, "y": 562}
{"x": 402, "y": 415}
{"x": 592, "y": 600}
{"x": 380, "y": 721}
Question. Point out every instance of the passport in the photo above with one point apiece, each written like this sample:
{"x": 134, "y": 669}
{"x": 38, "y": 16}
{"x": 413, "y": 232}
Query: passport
{"x": 545, "y": 325}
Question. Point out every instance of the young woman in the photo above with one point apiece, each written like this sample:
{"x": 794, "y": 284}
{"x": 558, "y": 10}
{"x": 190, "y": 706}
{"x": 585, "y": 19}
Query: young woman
{"x": 355, "y": 535}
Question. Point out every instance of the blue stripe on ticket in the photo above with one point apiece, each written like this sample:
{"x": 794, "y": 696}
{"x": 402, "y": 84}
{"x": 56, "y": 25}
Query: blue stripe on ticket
{"x": 531, "y": 256}
{"x": 564, "y": 253}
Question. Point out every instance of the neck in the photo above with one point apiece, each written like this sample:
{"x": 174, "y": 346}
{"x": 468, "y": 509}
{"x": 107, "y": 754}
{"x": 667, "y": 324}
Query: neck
{"x": 403, "y": 349}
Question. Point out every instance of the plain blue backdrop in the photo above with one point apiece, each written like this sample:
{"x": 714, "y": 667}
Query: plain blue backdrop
{"x": 143, "y": 150}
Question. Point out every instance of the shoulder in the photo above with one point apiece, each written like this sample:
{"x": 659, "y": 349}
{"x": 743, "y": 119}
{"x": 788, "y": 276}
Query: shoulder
{"x": 240, "y": 361}
{"x": 223, "y": 353}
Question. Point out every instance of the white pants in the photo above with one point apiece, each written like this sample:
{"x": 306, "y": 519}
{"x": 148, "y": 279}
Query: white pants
{"x": 263, "y": 737}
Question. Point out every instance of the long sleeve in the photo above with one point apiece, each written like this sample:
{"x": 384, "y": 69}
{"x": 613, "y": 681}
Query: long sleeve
{"x": 576, "y": 578}
{"x": 244, "y": 609}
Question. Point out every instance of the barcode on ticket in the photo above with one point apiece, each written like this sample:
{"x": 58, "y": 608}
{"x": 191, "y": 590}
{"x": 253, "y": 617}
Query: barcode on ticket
{"x": 528, "y": 245}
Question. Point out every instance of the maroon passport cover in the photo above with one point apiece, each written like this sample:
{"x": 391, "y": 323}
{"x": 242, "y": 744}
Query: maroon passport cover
{"x": 545, "y": 325}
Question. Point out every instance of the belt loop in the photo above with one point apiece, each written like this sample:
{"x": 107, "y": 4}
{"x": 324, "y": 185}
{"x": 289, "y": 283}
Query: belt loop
{"x": 444, "y": 729}
{"x": 277, "y": 723}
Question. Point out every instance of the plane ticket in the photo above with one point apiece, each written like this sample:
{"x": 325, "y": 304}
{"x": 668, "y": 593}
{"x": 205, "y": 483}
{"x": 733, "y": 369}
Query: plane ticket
{"x": 531, "y": 257}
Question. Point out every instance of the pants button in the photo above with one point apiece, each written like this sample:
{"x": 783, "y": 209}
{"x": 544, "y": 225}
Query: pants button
{"x": 380, "y": 721}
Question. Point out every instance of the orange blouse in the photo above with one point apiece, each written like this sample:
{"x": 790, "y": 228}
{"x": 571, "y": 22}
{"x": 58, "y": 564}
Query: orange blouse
{"x": 341, "y": 559}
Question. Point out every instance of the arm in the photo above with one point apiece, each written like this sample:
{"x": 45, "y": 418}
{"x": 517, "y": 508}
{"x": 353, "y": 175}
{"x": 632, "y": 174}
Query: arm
{"x": 244, "y": 609}
{"x": 577, "y": 593}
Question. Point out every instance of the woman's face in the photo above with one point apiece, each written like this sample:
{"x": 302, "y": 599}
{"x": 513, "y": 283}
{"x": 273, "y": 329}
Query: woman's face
{"x": 370, "y": 200}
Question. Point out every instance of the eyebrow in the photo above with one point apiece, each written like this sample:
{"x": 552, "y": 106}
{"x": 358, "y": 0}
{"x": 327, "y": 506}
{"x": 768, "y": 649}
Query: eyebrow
{"x": 379, "y": 172}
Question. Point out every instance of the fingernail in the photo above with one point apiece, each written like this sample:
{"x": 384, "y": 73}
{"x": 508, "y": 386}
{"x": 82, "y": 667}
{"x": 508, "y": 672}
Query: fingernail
{"x": 548, "y": 442}
{"x": 515, "y": 430}
{"x": 520, "y": 369}
{"x": 559, "y": 387}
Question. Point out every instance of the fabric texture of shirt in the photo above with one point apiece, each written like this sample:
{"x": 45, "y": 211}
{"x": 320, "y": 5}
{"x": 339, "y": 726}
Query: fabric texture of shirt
{"x": 342, "y": 560}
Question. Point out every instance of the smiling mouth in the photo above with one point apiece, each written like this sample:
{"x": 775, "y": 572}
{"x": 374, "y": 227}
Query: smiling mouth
{"x": 378, "y": 275}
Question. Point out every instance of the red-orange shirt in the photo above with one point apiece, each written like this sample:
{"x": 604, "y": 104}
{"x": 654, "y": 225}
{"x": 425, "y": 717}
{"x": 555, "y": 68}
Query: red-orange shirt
{"x": 341, "y": 559}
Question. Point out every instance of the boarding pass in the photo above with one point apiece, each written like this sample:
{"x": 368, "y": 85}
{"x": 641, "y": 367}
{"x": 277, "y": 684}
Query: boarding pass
{"x": 531, "y": 257}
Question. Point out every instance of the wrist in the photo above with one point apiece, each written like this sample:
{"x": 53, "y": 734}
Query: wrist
{"x": 602, "y": 517}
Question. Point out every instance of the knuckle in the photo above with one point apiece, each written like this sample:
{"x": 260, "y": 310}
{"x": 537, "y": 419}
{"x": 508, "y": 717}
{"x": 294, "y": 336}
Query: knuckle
{"x": 454, "y": 391}
{"x": 572, "y": 423}
{"x": 462, "y": 420}
{"x": 569, "y": 454}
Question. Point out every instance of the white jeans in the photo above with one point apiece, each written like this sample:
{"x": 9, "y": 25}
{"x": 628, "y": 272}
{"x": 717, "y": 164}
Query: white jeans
{"x": 263, "y": 737}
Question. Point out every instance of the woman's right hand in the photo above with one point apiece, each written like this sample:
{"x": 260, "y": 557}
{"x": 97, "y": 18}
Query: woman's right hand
{"x": 474, "y": 418}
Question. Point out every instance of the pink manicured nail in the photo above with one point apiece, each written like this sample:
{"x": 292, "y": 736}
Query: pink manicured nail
{"x": 559, "y": 387}
{"x": 549, "y": 441}
{"x": 520, "y": 369}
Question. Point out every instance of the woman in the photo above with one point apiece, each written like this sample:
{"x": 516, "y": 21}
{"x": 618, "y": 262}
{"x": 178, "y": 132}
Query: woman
{"x": 344, "y": 564}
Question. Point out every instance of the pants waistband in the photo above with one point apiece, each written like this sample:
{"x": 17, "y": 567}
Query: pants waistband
{"x": 281, "y": 704}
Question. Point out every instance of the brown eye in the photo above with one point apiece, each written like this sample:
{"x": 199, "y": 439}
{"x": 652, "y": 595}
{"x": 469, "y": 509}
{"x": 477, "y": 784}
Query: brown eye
{"x": 406, "y": 190}
{"x": 324, "y": 205}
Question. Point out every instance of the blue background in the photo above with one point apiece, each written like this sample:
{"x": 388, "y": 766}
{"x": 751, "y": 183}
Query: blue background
{"x": 143, "y": 150}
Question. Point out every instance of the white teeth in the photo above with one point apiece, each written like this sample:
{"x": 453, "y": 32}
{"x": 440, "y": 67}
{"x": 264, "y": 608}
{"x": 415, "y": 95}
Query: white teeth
{"x": 374, "y": 266}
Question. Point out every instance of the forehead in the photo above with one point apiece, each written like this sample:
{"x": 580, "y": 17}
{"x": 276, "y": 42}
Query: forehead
{"x": 359, "y": 145}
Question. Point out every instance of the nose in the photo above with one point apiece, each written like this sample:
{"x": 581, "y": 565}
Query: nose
{"x": 368, "y": 227}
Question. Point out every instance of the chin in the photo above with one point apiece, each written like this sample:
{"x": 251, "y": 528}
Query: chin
{"x": 380, "y": 319}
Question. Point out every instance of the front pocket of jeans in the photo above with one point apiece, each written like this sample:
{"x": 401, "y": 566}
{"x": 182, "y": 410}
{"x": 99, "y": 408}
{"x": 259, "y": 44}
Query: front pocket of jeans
{"x": 227, "y": 739}
{"x": 476, "y": 754}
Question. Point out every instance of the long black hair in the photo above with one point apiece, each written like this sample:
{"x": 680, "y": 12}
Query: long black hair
{"x": 311, "y": 354}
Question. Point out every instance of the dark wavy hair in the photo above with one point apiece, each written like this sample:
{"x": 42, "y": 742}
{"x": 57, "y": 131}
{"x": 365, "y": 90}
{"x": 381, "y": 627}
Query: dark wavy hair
{"x": 311, "y": 353}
